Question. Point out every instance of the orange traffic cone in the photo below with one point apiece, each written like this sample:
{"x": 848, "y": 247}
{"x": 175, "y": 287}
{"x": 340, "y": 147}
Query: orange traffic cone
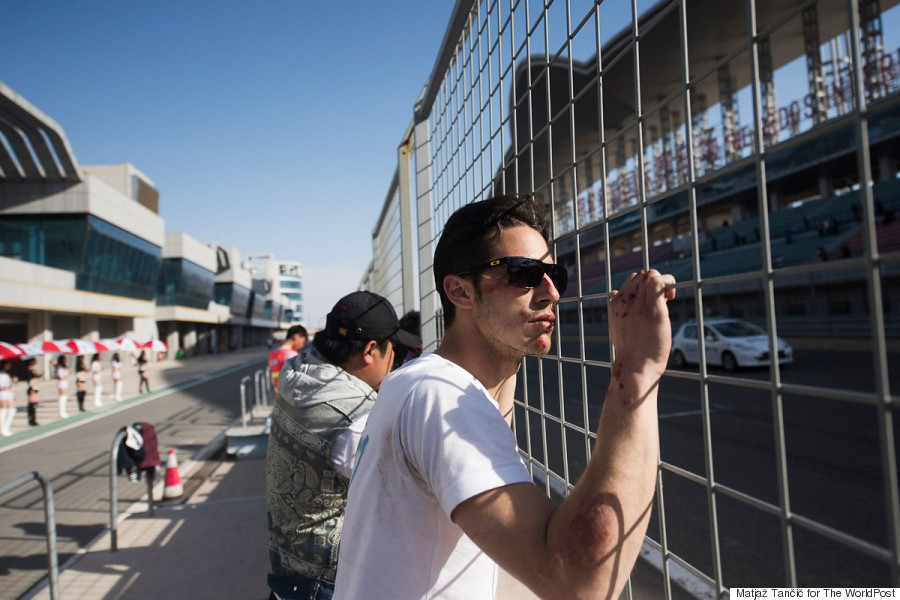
{"x": 173, "y": 487}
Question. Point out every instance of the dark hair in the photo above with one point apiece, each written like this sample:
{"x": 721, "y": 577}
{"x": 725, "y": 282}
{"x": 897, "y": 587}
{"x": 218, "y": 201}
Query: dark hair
{"x": 61, "y": 361}
{"x": 95, "y": 357}
{"x": 411, "y": 322}
{"x": 295, "y": 330}
{"x": 472, "y": 231}
{"x": 337, "y": 349}
{"x": 115, "y": 356}
{"x": 79, "y": 364}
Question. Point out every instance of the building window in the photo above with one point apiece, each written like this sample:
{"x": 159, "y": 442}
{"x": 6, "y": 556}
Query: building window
{"x": 183, "y": 283}
{"x": 105, "y": 258}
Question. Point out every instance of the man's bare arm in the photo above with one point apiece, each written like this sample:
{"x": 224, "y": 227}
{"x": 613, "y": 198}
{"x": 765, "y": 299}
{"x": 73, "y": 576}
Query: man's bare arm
{"x": 586, "y": 547}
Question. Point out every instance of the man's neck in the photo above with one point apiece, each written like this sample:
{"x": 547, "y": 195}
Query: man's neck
{"x": 496, "y": 373}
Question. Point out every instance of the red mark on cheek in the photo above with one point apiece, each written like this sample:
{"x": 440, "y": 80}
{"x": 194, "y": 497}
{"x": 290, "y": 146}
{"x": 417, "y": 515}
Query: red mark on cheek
{"x": 542, "y": 344}
{"x": 490, "y": 289}
{"x": 621, "y": 386}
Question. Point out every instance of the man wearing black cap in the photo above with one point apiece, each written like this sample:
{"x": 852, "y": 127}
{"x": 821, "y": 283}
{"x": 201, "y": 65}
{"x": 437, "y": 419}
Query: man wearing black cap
{"x": 324, "y": 398}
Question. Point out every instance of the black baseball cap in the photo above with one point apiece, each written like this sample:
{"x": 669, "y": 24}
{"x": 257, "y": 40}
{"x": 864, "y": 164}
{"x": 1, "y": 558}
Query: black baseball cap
{"x": 367, "y": 316}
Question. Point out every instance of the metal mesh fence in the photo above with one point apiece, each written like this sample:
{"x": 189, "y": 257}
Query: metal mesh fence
{"x": 750, "y": 149}
{"x": 385, "y": 276}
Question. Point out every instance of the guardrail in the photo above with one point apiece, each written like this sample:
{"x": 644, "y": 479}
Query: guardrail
{"x": 262, "y": 391}
{"x": 114, "y": 491}
{"x": 49, "y": 521}
{"x": 245, "y": 378}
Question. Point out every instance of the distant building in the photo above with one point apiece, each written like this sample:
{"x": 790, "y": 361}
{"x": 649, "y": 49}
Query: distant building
{"x": 84, "y": 253}
{"x": 287, "y": 283}
{"x": 186, "y": 316}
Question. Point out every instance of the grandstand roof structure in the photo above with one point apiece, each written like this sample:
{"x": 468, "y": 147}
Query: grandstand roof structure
{"x": 805, "y": 126}
{"x": 33, "y": 147}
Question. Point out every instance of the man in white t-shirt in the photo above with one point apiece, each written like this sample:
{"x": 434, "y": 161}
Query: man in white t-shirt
{"x": 324, "y": 396}
{"x": 440, "y": 495}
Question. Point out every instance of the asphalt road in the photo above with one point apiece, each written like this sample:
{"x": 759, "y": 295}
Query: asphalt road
{"x": 77, "y": 460}
{"x": 833, "y": 464}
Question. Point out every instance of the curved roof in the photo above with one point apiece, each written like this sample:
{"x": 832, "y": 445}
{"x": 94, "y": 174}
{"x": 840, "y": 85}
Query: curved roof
{"x": 33, "y": 147}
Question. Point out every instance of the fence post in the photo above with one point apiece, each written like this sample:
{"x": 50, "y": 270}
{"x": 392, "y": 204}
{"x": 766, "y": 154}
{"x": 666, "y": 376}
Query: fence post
{"x": 114, "y": 492}
{"x": 244, "y": 401}
{"x": 49, "y": 522}
{"x": 258, "y": 389}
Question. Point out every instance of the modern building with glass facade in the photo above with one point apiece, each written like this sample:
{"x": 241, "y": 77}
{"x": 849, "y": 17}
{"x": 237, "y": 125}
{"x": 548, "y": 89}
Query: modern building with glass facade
{"x": 244, "y": 296}
{"x": 186, "y": 315}
{"x": 84, "y": 253}
{"x": 287, "y": 288}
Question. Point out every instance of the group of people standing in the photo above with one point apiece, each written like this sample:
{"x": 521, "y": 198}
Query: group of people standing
{"x": 404, "y": 481}
{"x": 83, "y": 372}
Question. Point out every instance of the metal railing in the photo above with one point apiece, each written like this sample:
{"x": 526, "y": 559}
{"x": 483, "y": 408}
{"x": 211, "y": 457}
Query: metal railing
{"x": 642, "y": 126}
{"x": 114, "y": 491}
{"x": 261, "y": 385}
{"x": 49, "y": 522}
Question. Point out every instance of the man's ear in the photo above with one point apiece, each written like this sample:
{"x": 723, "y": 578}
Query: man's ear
{"x": 460, "y": 291}
{"x": 368, "y": 352}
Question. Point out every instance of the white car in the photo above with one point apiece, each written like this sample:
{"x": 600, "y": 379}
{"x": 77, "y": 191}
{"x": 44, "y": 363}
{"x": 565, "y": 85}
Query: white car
{"x": 731, "y": 343}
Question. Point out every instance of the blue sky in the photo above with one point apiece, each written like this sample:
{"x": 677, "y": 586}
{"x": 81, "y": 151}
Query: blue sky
{"x": 269, "y": 126}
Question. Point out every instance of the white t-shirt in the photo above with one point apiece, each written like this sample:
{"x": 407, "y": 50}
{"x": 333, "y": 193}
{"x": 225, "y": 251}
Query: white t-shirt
{"x": 434, "y": 439}
{"x": 97, "y": 372}
{"x": 343, "y": 449}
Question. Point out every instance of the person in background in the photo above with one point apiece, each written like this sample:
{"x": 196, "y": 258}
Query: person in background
{"x": 320, "y": 411}
{"x": 294, "y": 340}
{"x": 410, "y": 322}
{"x": 7, "y": 400}
{"x": 142, "y": 373}
{"x": 81, "y": 377}
{"x": 97, "y": 378}
{"x": 34, "y": 390}
{"x": 440, "y": 495}
{"x": 62, "y": 385}
{"x": 117, "y": 377}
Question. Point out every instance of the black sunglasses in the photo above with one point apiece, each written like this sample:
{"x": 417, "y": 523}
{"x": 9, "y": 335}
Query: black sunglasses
{"x": 527, "y": 272}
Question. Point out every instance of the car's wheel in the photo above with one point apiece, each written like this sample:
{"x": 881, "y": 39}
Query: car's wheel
{"x": 729, "y": 362}
{"x": 678, "y": 360}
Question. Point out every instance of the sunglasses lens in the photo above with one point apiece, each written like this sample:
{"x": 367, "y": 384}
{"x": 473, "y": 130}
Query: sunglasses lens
{"x": 525, "y": 275}
{"x": 530, "y": 273}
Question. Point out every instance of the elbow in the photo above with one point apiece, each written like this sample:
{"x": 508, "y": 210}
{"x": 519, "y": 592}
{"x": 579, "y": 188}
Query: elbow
{"x": 595, "y": 535}
{"x": 593, "y": 556}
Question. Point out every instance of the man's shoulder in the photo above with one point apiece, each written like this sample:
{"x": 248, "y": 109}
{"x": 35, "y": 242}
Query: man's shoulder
{"x": 286, "y": 353}
{"x": 430, "y": 375}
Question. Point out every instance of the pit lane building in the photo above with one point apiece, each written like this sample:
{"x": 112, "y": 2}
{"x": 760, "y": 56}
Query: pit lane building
{"x": 85, "y": 254}
{"x": 795, "y": 203}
